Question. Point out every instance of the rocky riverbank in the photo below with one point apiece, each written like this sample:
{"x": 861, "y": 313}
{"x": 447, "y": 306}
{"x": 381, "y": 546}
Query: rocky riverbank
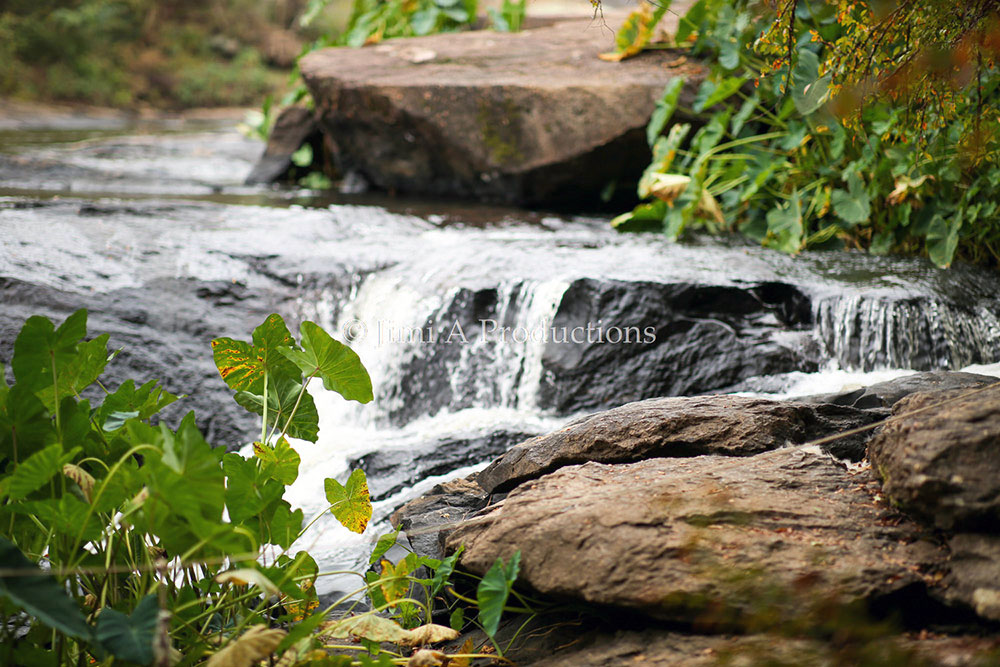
{"x": 707, "y": 529}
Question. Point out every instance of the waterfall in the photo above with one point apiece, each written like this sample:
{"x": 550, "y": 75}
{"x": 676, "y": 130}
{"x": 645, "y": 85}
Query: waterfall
{"x": 863, "y": 332}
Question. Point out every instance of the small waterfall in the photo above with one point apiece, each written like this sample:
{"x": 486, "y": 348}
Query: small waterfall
{"x": 865, "y": 332}
{"x": 454, "y": 349}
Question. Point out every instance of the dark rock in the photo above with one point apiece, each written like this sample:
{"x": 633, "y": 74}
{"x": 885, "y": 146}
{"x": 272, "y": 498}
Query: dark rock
{"x": 294, "y": 127}
{"x": 692, "y": 338}
{"x": 703, "y": 537}
{"x": 430, "y": 518}
{"x": 661, "y": 339}
{"x": 943, "y": 463}
{"x": 974, "y": 577}
{"x": 886, "y": 394}
{"x": 676, "y": 427}
{"x": 389, "y": 471}
{"x": 533, "y": 117}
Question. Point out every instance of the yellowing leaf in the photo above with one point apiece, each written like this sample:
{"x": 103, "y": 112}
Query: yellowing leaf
{"x": 350, "y": 503}
{"x": 668, "y": 187}
{"x": 425, "y": 658}
{"x": 246, "y": 577}
{"x": 366, "y": 626}
{"x": 394, "y": 582}
{"x": 635, "y": 32}
{"x": 257, "y": 643}
{"x": 429, "y": 634}
{"x": 82, "y": 478}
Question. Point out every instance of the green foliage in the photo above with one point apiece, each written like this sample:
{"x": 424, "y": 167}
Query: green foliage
{"x": 494, "y": 590}
{"x": 509, "y": 17}
{"x": 791, "y": 158}
{"x": 124, "y": 52}
{"x": 130, "y": 515}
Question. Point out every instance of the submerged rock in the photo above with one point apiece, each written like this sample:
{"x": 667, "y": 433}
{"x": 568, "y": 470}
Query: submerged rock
{"x": 531, "y": 117}
{"x": 943, "y": 463}
{"x": 677, "y": 427}
{"x": 430, "y": 518}
{"x": 703, "y": 537}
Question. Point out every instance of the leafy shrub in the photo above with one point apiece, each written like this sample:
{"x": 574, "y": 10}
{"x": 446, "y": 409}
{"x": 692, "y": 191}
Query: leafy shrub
{"x": 790, "y": 156}
{"x": 125, "y": 540}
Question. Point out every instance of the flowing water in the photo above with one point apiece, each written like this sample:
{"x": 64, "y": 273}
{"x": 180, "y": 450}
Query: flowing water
{"x": 473, "y": 320}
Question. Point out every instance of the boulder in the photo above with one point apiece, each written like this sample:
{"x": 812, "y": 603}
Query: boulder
{"x": 709, "y": 539}
{"x": 391, "y": 470}
{"x": 677, "y": 427}
{"x": 532, "y": 117}
{"x": 430, "y": 518}
{"x": 974, "y": 576}
{"x": 294, "y": 127}
{"x": 942, "y": 464}
{"x": 887, "y": 394}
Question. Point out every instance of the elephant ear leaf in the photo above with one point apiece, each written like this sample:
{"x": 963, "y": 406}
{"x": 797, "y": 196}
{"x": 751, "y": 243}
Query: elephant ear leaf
{"x": 338, "y": 365}
{"x": 39, "y": 594}
{"x": 242, "y": 365}
{"x": 350, "y": 503}
{"x": 130, "y": 638}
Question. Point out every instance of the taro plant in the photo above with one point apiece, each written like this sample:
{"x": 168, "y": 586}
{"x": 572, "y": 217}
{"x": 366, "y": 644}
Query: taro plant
{"x": 126, "y": 541}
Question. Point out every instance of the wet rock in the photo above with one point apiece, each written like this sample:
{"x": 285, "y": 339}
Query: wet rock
{"x": 430, "y": 518}
{"x": 294, "y": 127}
{"x": 670, "y": 338}
{"x": 687, "y": 338}
{"x": 531, "y": 117}
{"x": 886, "y": 394}
{"x": 974, "y": 577}
{"x": 943, "y": 464}
{"x": 390, "y": 471}
{"x": 677, "y": 427}
{"x": 704, "y": 537}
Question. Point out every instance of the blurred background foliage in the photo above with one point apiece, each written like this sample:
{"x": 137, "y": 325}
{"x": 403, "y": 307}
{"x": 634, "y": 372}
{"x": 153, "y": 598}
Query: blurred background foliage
{"x": 173, "y": 54}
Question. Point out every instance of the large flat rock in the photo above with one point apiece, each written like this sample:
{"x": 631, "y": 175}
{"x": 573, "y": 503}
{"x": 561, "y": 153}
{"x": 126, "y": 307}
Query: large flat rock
{"x": 706, "y": 538}
{"x": 531, "y": 117}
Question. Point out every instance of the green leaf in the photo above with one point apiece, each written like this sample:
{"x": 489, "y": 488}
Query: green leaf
{"x": 350, "y": 503}
{"x": 188, "y": 477}
{"x": 746, "y": 110}
{"x": 444, "y": 571}
{"x": 711, "y": 93}
{"x": 303, "y": 157}
{"x": 643, "y": 218}
{"x": 280, "y": 462}
{"x": 130, "y": 637}
{"x": 636, "y": 31}
{"x": 809, "y": 89}
{"x": 691, "y": 22}
{"x": 242, "y": 365}
{"x": 852, "y": 206}
{"x": 142, "y": 403}
{"x": 24, "y": 426}
{"x": 338, "y": 365}
{"x": 385, "y": 542}
{"x": 784, "y": 226}
{"x": 493, "y": 591}
{"x": 36, "y": 470}
{"x": 942, "y": 238}
{"x": 457, "y": 619}
{"x": 248, "y": 490}
{"x": 41, "y": 350}
{"x": 665, "y": 107}
{"x": 39, "y": 594}
{"x": 284, "y": 525}
{"x": 282, "y": 396}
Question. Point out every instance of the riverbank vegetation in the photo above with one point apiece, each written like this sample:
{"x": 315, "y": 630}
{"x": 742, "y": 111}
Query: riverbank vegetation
{"x": 832, "y": 123}
{"x": 129, "y": 542}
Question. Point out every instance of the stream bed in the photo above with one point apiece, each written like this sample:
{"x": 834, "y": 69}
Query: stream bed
{"x": 480, "y": 325}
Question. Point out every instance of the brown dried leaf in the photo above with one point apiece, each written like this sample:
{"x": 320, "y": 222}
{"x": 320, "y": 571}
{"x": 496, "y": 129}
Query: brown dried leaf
{"x": 425, "y": 658}
{"x": 257, "y": 643}
{"x": 429, "y": 634}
